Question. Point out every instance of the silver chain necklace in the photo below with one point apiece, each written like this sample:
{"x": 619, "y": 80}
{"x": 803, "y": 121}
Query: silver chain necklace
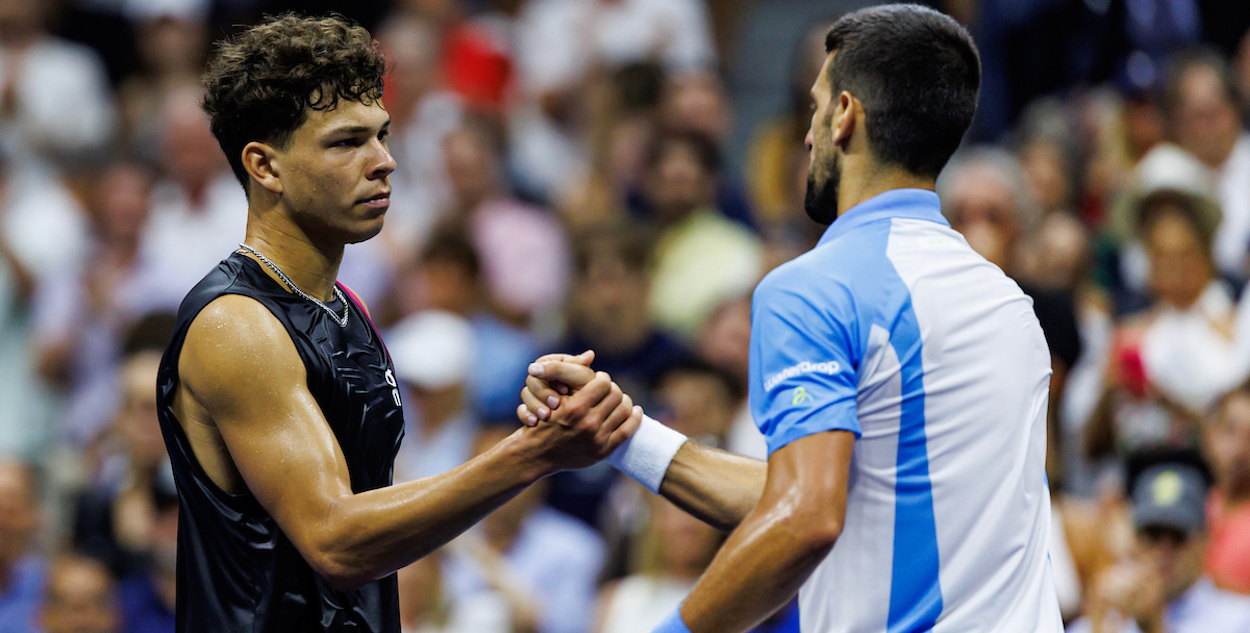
{"x": 342, "y": 321}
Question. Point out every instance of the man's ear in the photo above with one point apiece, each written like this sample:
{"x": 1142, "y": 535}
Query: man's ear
{"x": 261, "y": 162}
{"x": 844, "y": 118}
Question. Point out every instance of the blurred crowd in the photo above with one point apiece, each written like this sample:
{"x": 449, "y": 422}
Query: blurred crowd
{"x": 565, "y": 183}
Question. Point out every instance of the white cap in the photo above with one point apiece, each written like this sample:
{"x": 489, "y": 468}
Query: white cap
{"x": 432, "y": 349}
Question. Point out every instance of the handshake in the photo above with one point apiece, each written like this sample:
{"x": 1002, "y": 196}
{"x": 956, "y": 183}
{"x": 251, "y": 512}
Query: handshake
{"x": 576, "y": 417}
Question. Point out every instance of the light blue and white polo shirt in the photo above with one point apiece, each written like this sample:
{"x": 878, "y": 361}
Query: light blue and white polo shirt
{"x": 894, "y": 329}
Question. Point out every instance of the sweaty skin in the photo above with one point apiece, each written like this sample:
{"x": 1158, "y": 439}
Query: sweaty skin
{"x": 786, "y": 530}
{"x": 243, "y": 400}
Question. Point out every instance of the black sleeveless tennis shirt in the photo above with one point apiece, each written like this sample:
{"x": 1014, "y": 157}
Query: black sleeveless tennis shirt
{"x": 237, "y": 571}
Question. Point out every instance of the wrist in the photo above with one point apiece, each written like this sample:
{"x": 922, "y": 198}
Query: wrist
{"x": 523, "y": 457}
{"x": 646, "y": 456}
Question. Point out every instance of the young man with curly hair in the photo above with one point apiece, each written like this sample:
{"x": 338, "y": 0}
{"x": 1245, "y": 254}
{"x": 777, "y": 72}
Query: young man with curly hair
{"x": 277, "y": 398}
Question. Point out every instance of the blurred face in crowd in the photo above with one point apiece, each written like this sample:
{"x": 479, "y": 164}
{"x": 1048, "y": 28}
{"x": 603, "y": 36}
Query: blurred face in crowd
{"x": 123, "y": 197}
{"x": 333, "y": 176}
{"x": 696, "y": 403}
{"x": 687, "y": 544}
{"x": 1180, "y": 266}
{"x": 191, "y": 155}
{"x": 678, "y": 183}
{"x": 411, "y": 47}
{"x": 824, "y": 172}
{"x": 1046, "y": 167}
{"x": 137, "y": 419}
{"x": 1206, "y": 120}
{"x": 1170, "y": 555}
{"x": 472, "y": 167}
{"x": 610, "y": 299}
{"x": 20, "y": 18}
{"x": 171, "y": 46}
{"x": 697, "y": 102}
{"x": 1227, "y": 439}
{"x": 19, "y": 512}
{"x": 80, "y": 598}
{"x": 726, "y": 341}
{"x": 446, "y": 285}
{"x": 982, "y": 207}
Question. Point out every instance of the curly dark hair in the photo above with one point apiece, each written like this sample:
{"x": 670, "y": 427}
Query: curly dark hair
{"x": 261, "y": 84}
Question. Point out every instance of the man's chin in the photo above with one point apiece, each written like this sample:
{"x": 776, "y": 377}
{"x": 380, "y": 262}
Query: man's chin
{"x": 364, "y": 230}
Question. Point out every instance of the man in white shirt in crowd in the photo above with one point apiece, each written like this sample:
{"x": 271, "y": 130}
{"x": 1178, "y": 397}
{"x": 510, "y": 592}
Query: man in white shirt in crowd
{"x": 1203, "y": 112}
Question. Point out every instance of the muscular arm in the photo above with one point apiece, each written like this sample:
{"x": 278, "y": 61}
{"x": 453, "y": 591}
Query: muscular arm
{"x": 240, "y": 369}
{"x": 717, "y": 487}
{"x": 779, "y": 544}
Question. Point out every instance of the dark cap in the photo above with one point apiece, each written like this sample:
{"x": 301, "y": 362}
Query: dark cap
{"x": 1170, "y": 495}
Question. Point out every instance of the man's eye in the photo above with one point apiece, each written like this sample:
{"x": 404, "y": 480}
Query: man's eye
{"x": 383, "y": 134}
{"x": 347, "y": 142}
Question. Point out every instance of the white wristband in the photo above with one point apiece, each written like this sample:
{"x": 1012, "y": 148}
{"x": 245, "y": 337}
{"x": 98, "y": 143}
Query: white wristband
{"x": 645, "y": 456}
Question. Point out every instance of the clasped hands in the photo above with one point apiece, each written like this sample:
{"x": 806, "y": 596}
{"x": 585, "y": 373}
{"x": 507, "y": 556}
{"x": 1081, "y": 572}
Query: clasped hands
{"x": 563, "y": 391}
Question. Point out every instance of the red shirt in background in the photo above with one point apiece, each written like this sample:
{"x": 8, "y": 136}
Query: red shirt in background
{"x": 1228, "y": 556}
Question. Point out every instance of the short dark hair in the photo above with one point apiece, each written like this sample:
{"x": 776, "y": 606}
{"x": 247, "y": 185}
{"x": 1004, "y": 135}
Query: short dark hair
{"x": 626, "y": 241}
{"x": 916, "y": 72}
{"x": 261, "y": 84}
{"x": 705, "y": 149}
{"x": 1159, "y": 204}
{"x": 452, "y": 245}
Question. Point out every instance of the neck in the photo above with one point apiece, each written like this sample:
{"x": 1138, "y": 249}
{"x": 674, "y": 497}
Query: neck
{"x": 312, "y": 265}
{"x": 863, "y": 179}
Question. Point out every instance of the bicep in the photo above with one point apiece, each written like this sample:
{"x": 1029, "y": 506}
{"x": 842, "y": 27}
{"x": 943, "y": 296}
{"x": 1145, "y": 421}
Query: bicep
{"x": 240, "y": 364}
{"x": 813, "y": 474}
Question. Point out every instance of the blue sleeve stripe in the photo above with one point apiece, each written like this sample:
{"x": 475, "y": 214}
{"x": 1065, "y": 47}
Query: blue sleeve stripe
{"x": 915, "y": 589}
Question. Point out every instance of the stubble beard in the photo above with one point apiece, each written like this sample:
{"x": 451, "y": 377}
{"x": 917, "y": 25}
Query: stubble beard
{"x": 821, "y": 200}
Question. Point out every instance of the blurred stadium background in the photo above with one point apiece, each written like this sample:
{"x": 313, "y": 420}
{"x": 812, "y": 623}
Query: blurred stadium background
{"x": 617, "y": 175}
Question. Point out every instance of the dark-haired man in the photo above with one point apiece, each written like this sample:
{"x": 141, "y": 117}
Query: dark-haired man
{"x": 278, "y": 403}
{"x": 900, "y": 381}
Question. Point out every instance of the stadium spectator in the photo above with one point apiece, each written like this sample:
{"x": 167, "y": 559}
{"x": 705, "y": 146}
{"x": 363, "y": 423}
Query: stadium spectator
{"x": 115, "y": 516}
{"x": 698, "y": 400}
{"x": 1160, "y": 586}
{"x": 55, "y": 100}
{"x": 608, "y": 314}
{"x": 562, "y": 46}
{"x": 532, "y": 550}
{"x": 423, "y": 112}
{"x": 426, "y": 607}
{"x": 84, "y": 307}
{"x": 1227, "y": 445}
{"x": 447, "y": 276}
{"x": 171, "y": 39}
{"x": 199, "y": 211}
{"x": 701, "y": 257}
{"x": 79, "y": 596}
{"x": 726, "y": 344}
{"x": 1204, "y": 115}
{"x": 523, "y": 248}
{"x": 433, "y": 353}
{"x": 22, "y": 571}
{"x": 148, "y": 597}
{"x": 667, "y": 559}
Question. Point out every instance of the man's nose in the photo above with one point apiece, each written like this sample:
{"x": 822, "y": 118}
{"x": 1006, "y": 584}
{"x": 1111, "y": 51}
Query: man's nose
{"x": 809, "y": 140}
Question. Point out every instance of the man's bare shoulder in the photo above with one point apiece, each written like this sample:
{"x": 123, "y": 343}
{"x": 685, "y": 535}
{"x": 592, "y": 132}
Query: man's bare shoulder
{"x": 236, "y": 345}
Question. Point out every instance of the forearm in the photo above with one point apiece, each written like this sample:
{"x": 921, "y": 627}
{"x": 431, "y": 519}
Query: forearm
{"x": 757, "y": 571}
{"x": 717, "y": 487}
{"x": 371, "y": 534}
